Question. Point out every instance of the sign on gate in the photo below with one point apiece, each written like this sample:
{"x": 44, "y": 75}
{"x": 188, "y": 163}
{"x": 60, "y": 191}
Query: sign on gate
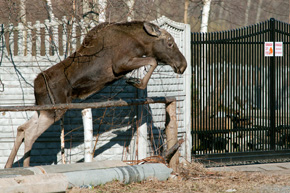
{"x": 269, "y": 49}
{"x": 278, "y": 48}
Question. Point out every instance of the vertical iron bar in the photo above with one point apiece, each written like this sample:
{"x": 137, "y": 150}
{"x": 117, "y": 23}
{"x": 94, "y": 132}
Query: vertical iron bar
{"x": 286, "y": 54}
{"x": 212, "y": 82}
{"x": 272, "y": 88}
{"x": 194, "y": 106}
{"x": 231, "y": 90}
{"x": 238, "y": 94}
{"x": 243, "y": 87}
{"x": 260, "y": 88}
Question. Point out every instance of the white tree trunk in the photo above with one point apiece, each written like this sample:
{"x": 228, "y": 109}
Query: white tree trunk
{"x": 49, "y": 10}
{"x": 204, "y": 79}
{"x": 205, "y": 15}
{"x": 130, "y": 4}
{"x": 102, "y": 10}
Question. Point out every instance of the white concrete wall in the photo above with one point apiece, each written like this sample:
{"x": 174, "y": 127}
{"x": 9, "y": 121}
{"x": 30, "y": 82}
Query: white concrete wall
{"x": 115, "y": 126}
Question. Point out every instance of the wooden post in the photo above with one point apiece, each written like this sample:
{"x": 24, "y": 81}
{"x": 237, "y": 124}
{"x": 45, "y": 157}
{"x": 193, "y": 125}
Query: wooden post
{"x": 171, "y": 133}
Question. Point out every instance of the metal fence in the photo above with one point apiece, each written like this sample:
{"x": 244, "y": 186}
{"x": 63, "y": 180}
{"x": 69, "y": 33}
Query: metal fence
{"x": 241, "y": 92}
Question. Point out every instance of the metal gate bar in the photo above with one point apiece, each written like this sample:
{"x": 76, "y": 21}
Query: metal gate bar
{"x": 241, "y": 97}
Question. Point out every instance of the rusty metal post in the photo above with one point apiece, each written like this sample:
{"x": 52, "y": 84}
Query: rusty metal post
{"x": 171, "y": 133}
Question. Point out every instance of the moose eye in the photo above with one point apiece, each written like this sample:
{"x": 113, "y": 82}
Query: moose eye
{"x": 170, "y": 44}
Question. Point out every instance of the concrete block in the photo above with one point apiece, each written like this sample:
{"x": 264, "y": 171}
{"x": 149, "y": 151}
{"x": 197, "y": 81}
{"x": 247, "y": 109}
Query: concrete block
{"x": 34, "y": 183}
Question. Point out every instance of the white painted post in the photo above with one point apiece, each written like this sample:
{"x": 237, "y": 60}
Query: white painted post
{"x": 55, "y": 37}
{"x": 74, "y": 36}
{"x": 38, "y": 38}
{"x": 29, "y": 39}
{"x": 20, "y": 39}
{"x": 47, "y": 38}
{"x": 88, "y": 134}
{"x": 142, "y": 134}
{"x": 65, "y": 47}
{"x": 11, "y": 39}
{"x": 142, "y": 117}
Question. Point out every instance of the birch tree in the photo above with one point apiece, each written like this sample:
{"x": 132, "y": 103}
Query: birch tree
{"x": 204, "y": 29}
{"x": 205, "y": 15}
{"x": 130, "y": 4}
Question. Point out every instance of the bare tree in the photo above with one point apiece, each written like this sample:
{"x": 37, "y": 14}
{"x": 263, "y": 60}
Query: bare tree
{"x": 259, "y": 11}
{"x": 186, "y": 4}
{"x": 247, "y": 12}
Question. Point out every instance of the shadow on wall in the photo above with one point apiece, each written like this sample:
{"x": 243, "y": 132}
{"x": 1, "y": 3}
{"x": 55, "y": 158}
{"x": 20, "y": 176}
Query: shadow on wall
{"x": 116, "y": 127}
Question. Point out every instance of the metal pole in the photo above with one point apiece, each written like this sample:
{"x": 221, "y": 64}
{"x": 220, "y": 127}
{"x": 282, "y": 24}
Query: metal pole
{"x": 272, "y": 89}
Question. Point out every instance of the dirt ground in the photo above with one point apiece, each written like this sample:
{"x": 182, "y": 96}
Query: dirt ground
{"x": 195, "y": 178}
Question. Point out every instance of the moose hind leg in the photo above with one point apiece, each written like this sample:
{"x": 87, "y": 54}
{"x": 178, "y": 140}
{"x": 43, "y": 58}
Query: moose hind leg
{"x": 19, "y": 138}
{"x": 45, "y": 120}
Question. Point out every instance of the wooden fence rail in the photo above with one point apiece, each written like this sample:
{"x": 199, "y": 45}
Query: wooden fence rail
{"x": 171, "y": 121}
{"x": 104, "y": 104}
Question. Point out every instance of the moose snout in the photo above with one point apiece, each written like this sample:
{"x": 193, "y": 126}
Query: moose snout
{"x": 182, "y": 67}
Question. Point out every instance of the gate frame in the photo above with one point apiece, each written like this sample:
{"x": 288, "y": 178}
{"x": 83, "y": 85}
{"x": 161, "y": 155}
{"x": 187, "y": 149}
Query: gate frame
{"x": 271, "y": 155}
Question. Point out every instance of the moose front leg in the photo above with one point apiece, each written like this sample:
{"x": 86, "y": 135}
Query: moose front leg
{"x": 136, "y": 63}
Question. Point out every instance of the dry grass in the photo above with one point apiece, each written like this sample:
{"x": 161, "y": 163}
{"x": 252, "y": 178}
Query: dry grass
{"x": 195, "y": 178}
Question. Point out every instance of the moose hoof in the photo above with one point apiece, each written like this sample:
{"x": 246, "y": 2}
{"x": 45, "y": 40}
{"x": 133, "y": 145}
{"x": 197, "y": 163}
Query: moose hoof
{"x": 133, "y": 81}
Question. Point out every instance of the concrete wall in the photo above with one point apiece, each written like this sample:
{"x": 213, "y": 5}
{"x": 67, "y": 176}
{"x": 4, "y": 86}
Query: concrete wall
{"x": 115, "y": 127}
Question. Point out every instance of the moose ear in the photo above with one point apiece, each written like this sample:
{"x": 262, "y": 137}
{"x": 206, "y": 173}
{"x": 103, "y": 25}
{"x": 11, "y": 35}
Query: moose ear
{"x": 152, "y": 29}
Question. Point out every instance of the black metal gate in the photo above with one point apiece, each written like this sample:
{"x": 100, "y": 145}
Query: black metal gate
{"x": 242, "y": 93}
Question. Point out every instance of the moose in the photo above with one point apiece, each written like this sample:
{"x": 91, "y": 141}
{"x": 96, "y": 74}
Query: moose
{"x": 108, "y": 52}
